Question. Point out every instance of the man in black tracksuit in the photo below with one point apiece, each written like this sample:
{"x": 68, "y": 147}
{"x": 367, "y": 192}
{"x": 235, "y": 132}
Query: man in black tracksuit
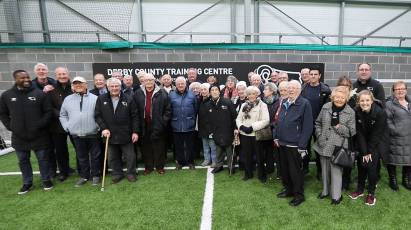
{"x": 365, "y": 81}
{"x": 116, "y": 115}
{"x": 26, "y": 112}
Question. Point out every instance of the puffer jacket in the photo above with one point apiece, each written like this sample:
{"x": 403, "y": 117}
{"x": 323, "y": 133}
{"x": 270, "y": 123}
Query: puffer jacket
{"x": 26, "y": 113}
{"x": 259, "y": 118}
{"x": 184, "y": 107}
{"x": 399, "y": 126}
{"x": 329, "y": 137}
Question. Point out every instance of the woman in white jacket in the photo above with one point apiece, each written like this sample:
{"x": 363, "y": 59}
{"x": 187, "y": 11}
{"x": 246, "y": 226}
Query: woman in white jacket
{"x": 253, "y": 116}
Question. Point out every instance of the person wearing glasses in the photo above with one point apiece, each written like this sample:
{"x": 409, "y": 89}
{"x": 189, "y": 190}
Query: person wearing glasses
{"x": 399, "y": 125}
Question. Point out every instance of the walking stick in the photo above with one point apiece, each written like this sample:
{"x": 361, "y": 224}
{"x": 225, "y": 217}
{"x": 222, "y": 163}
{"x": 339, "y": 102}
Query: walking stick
{"x": 105, "y": 164}
{"x": 236, "y": 142}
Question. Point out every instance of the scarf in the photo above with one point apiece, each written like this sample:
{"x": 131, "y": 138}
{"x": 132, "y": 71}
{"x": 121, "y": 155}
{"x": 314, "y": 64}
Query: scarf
{"x": 231, "y": 94}
{"x": 248, "y": 107}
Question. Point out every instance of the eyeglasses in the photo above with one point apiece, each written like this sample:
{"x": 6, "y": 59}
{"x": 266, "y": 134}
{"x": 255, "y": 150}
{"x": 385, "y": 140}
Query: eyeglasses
{"x": 400, "y": 89}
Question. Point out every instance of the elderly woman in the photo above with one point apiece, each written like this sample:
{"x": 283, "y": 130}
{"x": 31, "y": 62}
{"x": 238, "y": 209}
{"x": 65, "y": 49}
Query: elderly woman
{"x": 266, "y": 146}
{"x": 229, "y": 91}
{"x": 335, "y": 125}
{"x": 212, "y": 80}
{"x": 399, "y": 125}
{"x": 241, "y": 86}
{"x": 195, "y": 88}
{"x": 371, "y": 140}
{"x": 209, "y": 147}
{"x": 253, "y": 116}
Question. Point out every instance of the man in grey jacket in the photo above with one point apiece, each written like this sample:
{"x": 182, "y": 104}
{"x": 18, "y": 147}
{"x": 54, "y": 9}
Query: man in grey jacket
{"x": 77, "y": 118}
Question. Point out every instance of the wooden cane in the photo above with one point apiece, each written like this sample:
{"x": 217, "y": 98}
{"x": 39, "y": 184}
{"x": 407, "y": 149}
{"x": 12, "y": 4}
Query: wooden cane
{"x": 105, "y": 164}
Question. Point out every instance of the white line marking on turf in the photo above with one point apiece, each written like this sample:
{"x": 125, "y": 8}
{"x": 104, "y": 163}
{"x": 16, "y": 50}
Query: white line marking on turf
{"x": 207, "y": 213}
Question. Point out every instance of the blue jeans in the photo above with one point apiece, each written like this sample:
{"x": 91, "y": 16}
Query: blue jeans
{"x": 88, "y": 155}
{"x": 25, "y": 165}
{"x": 209, "y": 150}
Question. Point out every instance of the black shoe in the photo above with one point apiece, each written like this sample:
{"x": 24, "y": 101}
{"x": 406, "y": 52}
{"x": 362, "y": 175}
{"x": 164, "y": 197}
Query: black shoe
{"x": 178, "y": 166}
{"x": 336, "y": 202}
{"x": 305, "y": 171}
{"x": 284, "y": 194}
{"x": 393, "y": 183}
{"x": 191, "y": 166}
{"x": 263, "y": 180}
{"x": 232, "y": 171}
{"x": 25, "y": 189}
{"x": 217, "y": 170}
{"x": 117, "y": 179}
{"x": 406, "y": 182}
{"x": 318, "y": 176}
{"x": 71, "y": 171}
{"x": 297, "y": 201}
{"x": 62, "y": 178}
{"x": 321, "y": 196}
{"x": 47, "y": 185}
{"x": 245, "y": 178}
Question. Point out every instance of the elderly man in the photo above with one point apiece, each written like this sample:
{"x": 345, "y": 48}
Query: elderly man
{"x": 154, "y": 113}
{"x": 99, "y": 85}
{"x": 256, "y": 81}
{"x": 129, "y": 88}
{"x": 274, "y": 77}
{"x": 167, "y": 83}
{"x": 317, "y": 93}
{"x": 42, "y": 81}
{"x": 184, "y": 107}
{"x": 59, "y": 153}
{"x": 192, "y": 76}
{"x": 77, "y": 118}
{"x": 365, "y": 81}
{"x": 305, "y": 75}
{"x": 26, "y": 112}
{"x": 116, "y": 115}
{"x": 282, "y": 76}
{"x": 294, "y": 128}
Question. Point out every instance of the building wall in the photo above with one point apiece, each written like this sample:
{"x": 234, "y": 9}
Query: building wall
{"x": 387, "y": 67}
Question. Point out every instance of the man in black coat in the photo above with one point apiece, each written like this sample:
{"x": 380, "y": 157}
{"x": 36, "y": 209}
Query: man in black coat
{"x": 26, "y": 112}
{"x": 42, "y": 81}
{"x": 221, "y": 117}
{"x": 59, "y": 156}
{"x": 116, "y": 116}
{"x": 365, "y": 81}
{"x": 154, "y": 112}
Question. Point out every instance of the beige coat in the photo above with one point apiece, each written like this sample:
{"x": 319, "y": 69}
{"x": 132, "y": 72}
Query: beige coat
{"x": 259, "y": 118}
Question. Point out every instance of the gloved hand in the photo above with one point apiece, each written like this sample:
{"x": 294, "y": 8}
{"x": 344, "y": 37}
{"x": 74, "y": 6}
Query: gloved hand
{"x": 302, "y": 152}
{"x": 246, "y": 130}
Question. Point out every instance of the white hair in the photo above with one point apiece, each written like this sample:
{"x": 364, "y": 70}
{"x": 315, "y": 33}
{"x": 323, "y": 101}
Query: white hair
{"x": 205, "y": 86}
{"x": 180, "y": 78}
{"x": 149, "y": 76}
{"x": 283, "y": 84}
{"x": 295, "y": 83}
{"x": 252, "y": 89}
{"x": 255, "y": 75}
{"x": 194, "y": 84}
{"x": 40, "y": 64}
{"x": 241, "y": 83}
{"x": 113, "y": 80}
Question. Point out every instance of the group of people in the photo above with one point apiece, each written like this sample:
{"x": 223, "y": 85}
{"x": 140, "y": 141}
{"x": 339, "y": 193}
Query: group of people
{"x": 278, "y": 125}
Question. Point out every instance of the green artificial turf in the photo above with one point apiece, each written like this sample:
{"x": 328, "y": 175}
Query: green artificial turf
{"x": 169, "y": 201}
{"x": 253, "y": 205}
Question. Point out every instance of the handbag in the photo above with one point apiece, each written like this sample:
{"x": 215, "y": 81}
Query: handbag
{"x": 343, "y": 157}
{"x": 263, "y": 134}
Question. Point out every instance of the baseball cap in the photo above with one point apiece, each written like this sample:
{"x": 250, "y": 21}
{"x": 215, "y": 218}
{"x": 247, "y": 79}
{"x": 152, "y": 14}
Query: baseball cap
{"x": 80, "y": 79}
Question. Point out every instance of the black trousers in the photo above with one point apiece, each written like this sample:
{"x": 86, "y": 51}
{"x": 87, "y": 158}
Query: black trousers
{"x": 59, "y": 155}
{"x": 291, "y": 171}
{"x": 184, "y": 147}
{"x": 367, "y": 171}
{"x": 115, "y": 157}
{"x": 392, "y": 170}
{"x": 248, "y": 149}
{"x": 265, "y": 158}
{"x": 89, "y": 155}
{"x": 153, "y": 152}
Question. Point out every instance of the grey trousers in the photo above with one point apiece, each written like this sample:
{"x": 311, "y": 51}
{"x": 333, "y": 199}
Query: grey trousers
{"x": 332, "y": 178}
{"x": 221, "y": 153}
{"x": 115, "y": 159}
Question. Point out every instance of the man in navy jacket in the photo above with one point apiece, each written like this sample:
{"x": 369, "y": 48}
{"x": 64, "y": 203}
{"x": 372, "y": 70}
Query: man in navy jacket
{"x": 294, "y": 129}
{"x": 184, "y": 109}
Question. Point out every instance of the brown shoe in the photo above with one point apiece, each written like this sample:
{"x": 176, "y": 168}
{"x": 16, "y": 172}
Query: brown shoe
{"x": 117, "y": 179}
{"x": 146, "y": 172}
{"x": 131, "y": 178}
{"x": 161, "y": 171}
